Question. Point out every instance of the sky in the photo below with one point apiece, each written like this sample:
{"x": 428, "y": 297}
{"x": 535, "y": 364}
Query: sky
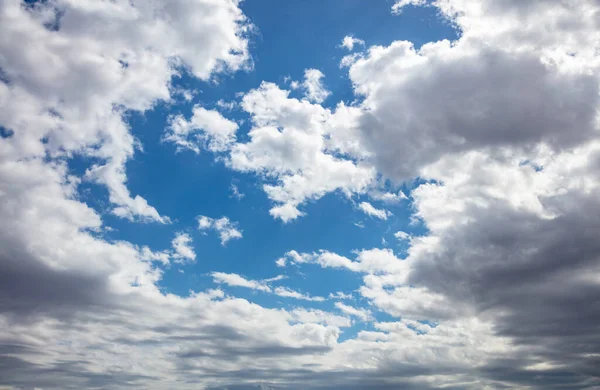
{"x": 225, "y": 194}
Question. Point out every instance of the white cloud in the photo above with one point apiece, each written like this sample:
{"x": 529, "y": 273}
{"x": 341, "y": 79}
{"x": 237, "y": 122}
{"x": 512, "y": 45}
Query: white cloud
{"x": 228, "y": 106}
{"x": 507, "y": 269}
{"x": 289, "y": 293}
{"x": 227, "y": 230}
{"x": 276, "y": 278}
{"x": 235, "y": 192}
{"x": 182, "y": 249}
{"x": 263, "y": 285}
{"x": 75, "y": 103}
{"x": 400, "y": 235}
{"x": 388, "y": 197}
{"x": 239, "y": 281}
{"x": 313, "y": 86}
{"x": 368, "y": 209}
{"x": 314, "y": 316}
{"x": 294, "y": 141}
{"x": 349, "y": 41}
{"x": 162, "y": 257}
{"x": 340, "y": 295}
{"x": 205, "y": 126}
{"x": 397, "y": 7}
{"x": 372, "y": 261}
{"x": 350, "y": 59}
{"x": 363, "y": 314}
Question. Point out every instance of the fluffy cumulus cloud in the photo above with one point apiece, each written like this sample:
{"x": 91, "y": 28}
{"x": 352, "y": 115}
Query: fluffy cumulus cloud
{"x": 299, "y": 144}
{"x": 226, "y": 229}
{"x": 350, "y": 41}
{"x": 501, "y": 127}
{"x": 206, "y": 127}
{"x": 315, "y": 91}
{"x": 97, "y": 67}
{"x": 182, "y": 248}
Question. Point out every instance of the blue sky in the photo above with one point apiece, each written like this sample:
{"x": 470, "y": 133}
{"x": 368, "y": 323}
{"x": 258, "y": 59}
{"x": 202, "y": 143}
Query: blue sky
{"x": 183, "y": 185}
{"x": 302, "y": 194}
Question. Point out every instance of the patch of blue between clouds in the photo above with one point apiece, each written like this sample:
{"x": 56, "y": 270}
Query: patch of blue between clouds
{"x": 291, "y": 37}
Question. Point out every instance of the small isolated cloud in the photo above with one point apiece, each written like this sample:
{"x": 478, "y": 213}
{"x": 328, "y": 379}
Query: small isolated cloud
{"x": 400, "y": 235}
{"x": 388, "y": 197}
{"x": 368, "y": 208}
{"x": 235, "y": 192}
{"x": 340, "y": 295}
{"x": 350, "y": 41}
{"x": 262, "y": 285}
{"x": 363, "y": 314}
{"x": 314, "y": 90}
{"x": 227, "y": 230}
{"x": 276, "y": 278}
{"x": 239, "y": 281}
{"x": 292, "y": 257}
{"x": 224, "y": 105}
{"x": 289, "y": 293}
{"x": 182, "y": 249}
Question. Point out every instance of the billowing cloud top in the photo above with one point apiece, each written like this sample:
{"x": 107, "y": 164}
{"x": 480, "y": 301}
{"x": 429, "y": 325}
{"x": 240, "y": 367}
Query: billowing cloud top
{"x": 470, "y": 162}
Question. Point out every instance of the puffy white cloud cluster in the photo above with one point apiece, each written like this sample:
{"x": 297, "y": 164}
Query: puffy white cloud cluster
{"x": 207, "y": 127}
{"x": 74, "y": 68}
{"x": 296, "y": 143}
{"x": 226, "y": 229}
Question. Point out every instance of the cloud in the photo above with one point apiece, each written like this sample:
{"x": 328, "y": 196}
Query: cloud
{"x": 299, "y": 144}
{"x": 321, "y": 317}
{"x": 262, "y": 285}
{"x": 388, "y": 197}
{"x": 238, "y": 281}
{"x": 289, "y": 293}
{"x": 499, "y": 292}
{"x": 182, "y": 250}
{"x": 349, "y": 41}
{"x": 371, "y": 261}
{"x": 363, "y": 314}
{"x": 368, "y": 209}
{"x": 162, "y": 257}
{"x": 276, "y": 278}
{"x": 400, "y": 4}
{"x": 227, "y": 230}
{"x": 313, "y": 86}
{"x": 340, "y": 295}
{"x": 495, "y": 89}
{"x": 205, "y": 126}
{"x": 235, "y": 192}
{"x": 400, "y": 235}
{"x": 76, "y": 103}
